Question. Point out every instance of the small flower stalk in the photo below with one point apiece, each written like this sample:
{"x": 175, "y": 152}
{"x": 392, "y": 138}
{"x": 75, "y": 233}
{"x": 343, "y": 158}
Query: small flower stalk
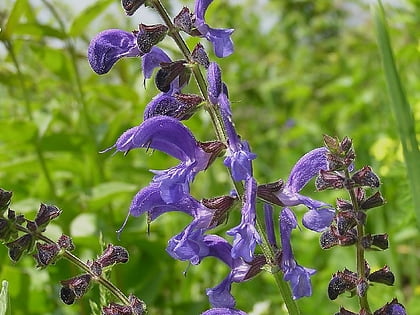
{"x": 348, "y": 226}
{"x": 29, "y": 240}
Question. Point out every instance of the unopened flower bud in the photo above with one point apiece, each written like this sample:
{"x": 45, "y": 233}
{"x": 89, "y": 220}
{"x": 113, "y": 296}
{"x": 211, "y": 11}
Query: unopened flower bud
{"x": 5, "y": 229}
{"x": 184, "y": 20}
{"x": 378, "y": 241}
{"x": 5, "y": 197}
{"x": 361, "y": 287}
{"x": 329, "y": 180}
{"x": 376, "y": 200}
{"x": 383, "y": 275}
{"x": 328, "y": 239}
{"x": 345, "y": 221}
{"x": 392, "y": 308}
{"x": 19, "y": 246}
{"x": 342, "y": 281}
{"x": 343, "y": 311}
{"x": 215, "y": 148}
{"x": 349, "y": 238}
{"x": 168, "y": 72}
{"x": 256, "y": 266}
{"x": 113, "y": 255}
{"x": 45, "y": 214}
{"x": 268, "y": 192}
{"x": 95, "y": 267}
{"x": 65, "y": 242}
{"x": 366, "y": 178}
{"x": 149, "y": 35}
{"x": 345, "y": 144}
{"x": 131, "y": 6}
{"x": 117, "y": 309}
{"x": 221, "y": 206}
{"x": 74, "y": 288}
{"x": 332, "y": 143}
{"x": 200, "y": 56}
{"x": 46, "y": 254}
{"x": 138, "y": 307}
{"x": 344, "y": 205}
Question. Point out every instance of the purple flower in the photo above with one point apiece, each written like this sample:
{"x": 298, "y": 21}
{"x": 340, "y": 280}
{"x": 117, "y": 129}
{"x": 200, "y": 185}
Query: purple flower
{"x": 220, "y": 296}
{"x": 223, "y": 311}
{"x": 240, "y": 157}
{"x": 168, "y": 135}
{"x": 245, "y": 234}
{"x": 219, "y": 37}
{"x": 320, "y": 214}
{"x": 109, "y": 46}
{"x": 298, "y": 276}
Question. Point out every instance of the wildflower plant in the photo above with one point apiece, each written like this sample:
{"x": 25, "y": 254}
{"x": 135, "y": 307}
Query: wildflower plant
{"x": 250, "y": 246}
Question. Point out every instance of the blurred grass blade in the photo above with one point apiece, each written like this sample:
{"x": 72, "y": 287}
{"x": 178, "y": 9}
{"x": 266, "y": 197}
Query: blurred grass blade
{"x": 13, "y": 19}
{"x": 401, "y": 108}
{"x": 82, "y": 21}
{"x": 4, "y": 299}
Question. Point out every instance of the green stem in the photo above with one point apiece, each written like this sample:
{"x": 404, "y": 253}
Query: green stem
{"x": 28, "y": 107}
{"x": 270, "y": 255}
{"x": 216, "y": 118}
{"x": 83, "y": 266}
{"x": 360, "y": 251}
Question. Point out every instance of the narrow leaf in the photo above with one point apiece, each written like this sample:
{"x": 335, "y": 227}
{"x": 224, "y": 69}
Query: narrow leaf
{"x": 87, "y": 16}
{"x": 403, "y": 113}
{"x": 13, "y": 20}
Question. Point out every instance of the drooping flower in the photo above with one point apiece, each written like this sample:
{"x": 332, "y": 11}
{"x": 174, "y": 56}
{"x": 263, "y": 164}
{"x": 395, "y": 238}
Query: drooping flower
{"x": 245, "y": 234}
{"x": 239, "y": 159}
{"x": 298, "y": 276}
{"x": 168, "y": 135}
{"x": 220, "y": 296}
{"x": 219, "y": 37}
{"x": 109, "y": 46}
{"x": 320, "y": 214}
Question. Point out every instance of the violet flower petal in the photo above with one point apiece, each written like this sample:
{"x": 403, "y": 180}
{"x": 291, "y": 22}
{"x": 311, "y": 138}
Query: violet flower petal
{"x": 306, "y": 168}
{"x": 318, "y": 220}
{"x": 162, "y": 133}
{"x": 220, "y": 295}
{"x": 298, "y": 276}
{"x": 152, "y": 60}
{"x": 107, "y": 47}
{"x": 220, "y": 38}
{"x": 188, "y": 245}
{"x": 245, "y": 234}
{"x": 223, "y": 311}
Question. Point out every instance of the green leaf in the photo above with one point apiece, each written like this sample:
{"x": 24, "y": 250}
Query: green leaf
{"x": 106, "y": 192}
{"x": 4, "y": 299}
{"x": 403, "y": 114}
{"x": 13, "y": 20}
{"x": 81, "y": 22}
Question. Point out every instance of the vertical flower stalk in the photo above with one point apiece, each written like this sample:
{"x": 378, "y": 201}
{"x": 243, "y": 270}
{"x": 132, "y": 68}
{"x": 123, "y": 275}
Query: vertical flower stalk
{"x": 348, "y": 225}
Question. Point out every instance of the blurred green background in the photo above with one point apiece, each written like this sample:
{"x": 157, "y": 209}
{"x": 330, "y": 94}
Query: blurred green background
{"x": 301, "y": 69}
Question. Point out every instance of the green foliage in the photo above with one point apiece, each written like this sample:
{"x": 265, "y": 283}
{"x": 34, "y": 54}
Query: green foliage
{"x": 4, "y": 299}
{"x": 301, "y": 69}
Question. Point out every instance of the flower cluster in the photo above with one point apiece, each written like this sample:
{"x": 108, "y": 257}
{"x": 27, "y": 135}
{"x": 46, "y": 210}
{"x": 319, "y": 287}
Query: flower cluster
{"x": 347, "y": 226}
{"x": 169, "y": 190}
